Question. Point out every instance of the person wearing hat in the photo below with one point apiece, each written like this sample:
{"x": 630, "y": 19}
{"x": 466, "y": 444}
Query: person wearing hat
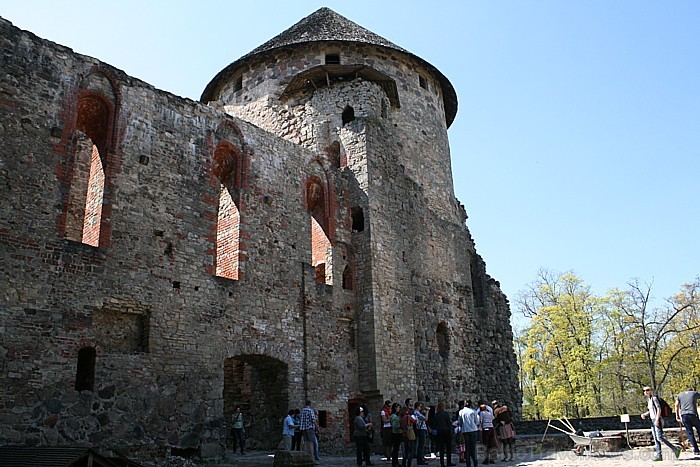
{"x": 654, "y": 413}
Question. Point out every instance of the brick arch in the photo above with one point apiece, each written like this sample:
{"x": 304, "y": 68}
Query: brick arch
{"x": 88, "y": 150}
{"x": 227, "y": 170}
{"x": 229, "y": 131}
{"x": 318, "y": 204}
{"x": 316, "y": 201}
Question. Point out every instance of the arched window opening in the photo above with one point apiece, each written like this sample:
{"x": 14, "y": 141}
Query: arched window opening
{"x": 95, "y": 197}
{"x": 228, "y": 224}
{"x": 227, "y": 236}
{"x": 320, "y": 253}
{"x": 442, "y": 336}
{"x": 348, "y": 115}
{"x": 321, "y": 249}
{"x": 85, "y": 374}
{"x": 86, "y": 193}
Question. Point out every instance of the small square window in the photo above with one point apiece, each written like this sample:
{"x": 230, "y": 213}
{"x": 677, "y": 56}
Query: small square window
{"x": 422, "y": 81}
{"x": 332, "y": 59}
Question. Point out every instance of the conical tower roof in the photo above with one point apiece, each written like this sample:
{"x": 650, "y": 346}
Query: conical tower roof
{"x": 325, "y": 25}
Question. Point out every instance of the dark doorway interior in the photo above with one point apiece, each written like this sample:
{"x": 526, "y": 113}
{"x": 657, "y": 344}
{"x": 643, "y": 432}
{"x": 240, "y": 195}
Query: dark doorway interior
{"x": 259, "y": 385}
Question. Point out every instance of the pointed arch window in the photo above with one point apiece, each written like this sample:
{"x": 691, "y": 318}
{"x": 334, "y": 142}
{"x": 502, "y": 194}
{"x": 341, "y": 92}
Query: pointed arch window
{"x": 321, "y": 249}
{"x": 85, "y": 200}
{"x": 228, "y": 225}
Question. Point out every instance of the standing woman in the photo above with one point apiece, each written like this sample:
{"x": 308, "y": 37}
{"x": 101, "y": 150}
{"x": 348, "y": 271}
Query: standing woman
{"x": 360, "y": 435}
{"x": 408, "y": 435}
{"x": 506, "y": 433}
{"x": 421, "y": 432}
{"x": 488, "y": 433}
{"x": 395, "y": 434}
{"x": 443, "y": 424}
{"x": 432, "y": 431}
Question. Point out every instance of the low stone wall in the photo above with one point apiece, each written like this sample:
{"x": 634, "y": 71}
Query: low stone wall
{"x": 533, "y": 427}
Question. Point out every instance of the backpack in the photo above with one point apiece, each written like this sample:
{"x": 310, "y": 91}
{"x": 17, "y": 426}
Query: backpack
{"x": 664, "y": 408}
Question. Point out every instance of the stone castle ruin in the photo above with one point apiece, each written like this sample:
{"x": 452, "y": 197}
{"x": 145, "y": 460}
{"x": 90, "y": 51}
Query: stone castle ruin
{"x": 294, "y": 235}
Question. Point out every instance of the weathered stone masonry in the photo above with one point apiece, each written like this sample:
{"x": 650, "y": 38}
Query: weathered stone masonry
{"x": 295, "y": 235}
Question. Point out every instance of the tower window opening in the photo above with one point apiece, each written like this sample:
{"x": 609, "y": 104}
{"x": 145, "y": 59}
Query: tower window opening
{"x": 85, "y": 373}
{"x": 422, "y": 82}
{"x": 348, "y": 115}
{"x": 332, "y": 59}
{"x": 358, "y": 219}
{"x": 239, "y": 84}
{"x": 321, "y": 248}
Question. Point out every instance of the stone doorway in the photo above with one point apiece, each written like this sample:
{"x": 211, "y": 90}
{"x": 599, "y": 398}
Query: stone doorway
{"x": 259, "y": 384}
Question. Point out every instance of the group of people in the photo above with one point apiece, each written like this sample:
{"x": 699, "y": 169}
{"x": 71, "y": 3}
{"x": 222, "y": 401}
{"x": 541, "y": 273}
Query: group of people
{"x": 412, "y": 425}
{"x": 300, "y": 430}
{"x": 686, "y": 408}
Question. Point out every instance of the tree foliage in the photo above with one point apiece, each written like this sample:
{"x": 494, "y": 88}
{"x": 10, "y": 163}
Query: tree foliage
{"x": 586, "y": 355}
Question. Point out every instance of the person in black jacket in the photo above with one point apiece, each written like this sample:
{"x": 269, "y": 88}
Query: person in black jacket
{"x": 443, "y": 424}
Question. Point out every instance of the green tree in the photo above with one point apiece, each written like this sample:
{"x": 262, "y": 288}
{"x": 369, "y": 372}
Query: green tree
{"x": 559, "y": 355}
{"x": 656, "y": 336}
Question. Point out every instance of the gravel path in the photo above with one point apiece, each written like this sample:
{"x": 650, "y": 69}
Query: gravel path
{"x": 630, "y": 458}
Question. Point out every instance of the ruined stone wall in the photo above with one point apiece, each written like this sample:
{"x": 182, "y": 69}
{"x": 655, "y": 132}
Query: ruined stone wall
{"x": 169, "y": 336}
{"x": 403, "y": 307}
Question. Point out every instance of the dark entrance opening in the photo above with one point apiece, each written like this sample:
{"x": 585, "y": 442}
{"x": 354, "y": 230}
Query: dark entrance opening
{"x": 259, "y": 384}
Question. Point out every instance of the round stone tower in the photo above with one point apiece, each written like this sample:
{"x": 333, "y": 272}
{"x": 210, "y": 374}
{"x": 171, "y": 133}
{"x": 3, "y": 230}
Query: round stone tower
{"x": 374, "y": 118}
{"x": 301, "y": 83}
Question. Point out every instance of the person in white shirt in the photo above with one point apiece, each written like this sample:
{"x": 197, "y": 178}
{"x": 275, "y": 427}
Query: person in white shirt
{"x": 469, "y": 425}
{"x": 654, "y": 413}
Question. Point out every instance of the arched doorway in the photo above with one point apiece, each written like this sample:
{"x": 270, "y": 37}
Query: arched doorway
{"x": 259, "y": 384}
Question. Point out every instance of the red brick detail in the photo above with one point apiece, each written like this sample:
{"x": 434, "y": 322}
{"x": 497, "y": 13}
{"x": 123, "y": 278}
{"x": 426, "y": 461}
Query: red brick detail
{"x": 228, "y": 169}
{"x": 88, "y": 162}
{"x": 227, "y": 237}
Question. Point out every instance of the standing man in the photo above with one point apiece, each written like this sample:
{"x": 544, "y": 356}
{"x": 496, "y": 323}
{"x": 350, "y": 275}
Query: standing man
{"x": 687, "y": 412}
{"x": 237, "y": 430}
{"x": 654, "y": 413}
{"x": 469, "y": 424}
{"x": 288, "y": 430}
{"x": 308, "y": 428}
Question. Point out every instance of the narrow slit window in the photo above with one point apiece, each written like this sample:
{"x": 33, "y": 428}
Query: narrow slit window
{"x": 85, "y": 373}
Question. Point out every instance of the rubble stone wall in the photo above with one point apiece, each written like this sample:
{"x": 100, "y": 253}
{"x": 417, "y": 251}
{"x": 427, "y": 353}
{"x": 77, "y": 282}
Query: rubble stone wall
{"x": 133, "y": 343}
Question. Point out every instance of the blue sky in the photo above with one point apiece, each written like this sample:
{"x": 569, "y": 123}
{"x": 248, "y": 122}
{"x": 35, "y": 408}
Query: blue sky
{"x": 577, "y": 141}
